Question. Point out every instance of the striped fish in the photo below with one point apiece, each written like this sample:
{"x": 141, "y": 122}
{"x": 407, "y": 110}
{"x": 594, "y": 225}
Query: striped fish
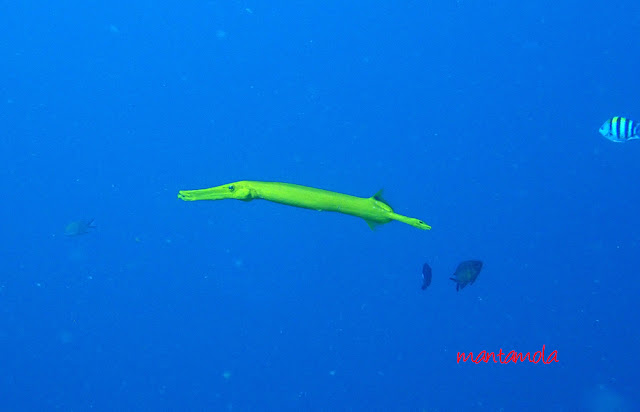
{"x": 620, "y": 129}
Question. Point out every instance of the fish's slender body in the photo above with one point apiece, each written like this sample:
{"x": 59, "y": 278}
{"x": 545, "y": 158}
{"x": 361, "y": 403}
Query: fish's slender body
{"x": 374, "y": 210}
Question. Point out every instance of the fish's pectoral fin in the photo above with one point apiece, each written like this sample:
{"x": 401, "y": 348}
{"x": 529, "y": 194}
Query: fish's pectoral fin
{"x": 457, "y": 283}
{"x": 379, "y": 198}
{"x": 372, "y": 225}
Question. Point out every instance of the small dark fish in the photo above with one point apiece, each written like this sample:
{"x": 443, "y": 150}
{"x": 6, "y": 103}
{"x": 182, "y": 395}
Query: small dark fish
{"x": 426, "y": 276}
{"x": 79, "y": 227}
{"x": 466, "y": 273}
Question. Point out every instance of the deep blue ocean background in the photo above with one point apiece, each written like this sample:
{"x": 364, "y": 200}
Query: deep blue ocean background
{"x": 481, "y": 118}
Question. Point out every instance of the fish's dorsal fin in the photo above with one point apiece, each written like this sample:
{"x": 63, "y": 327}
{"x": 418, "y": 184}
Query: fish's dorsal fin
{"x": 379, "y": 198}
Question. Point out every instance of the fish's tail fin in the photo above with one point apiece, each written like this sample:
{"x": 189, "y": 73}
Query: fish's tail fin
{"x": 90, "y": 223}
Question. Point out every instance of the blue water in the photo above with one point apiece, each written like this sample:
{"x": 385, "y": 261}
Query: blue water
{"x": 479, "y": 118}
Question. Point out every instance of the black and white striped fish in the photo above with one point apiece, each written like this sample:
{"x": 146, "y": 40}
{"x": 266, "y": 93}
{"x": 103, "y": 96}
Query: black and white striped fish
{"x": 620, "y": 129}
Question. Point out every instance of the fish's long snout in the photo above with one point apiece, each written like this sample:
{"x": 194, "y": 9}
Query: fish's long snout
{"x": 411, "y": 221}
{"x": 185, "y": 195}
{"x": 420, "y": 224}
{"x": 214, "y": 193}
{"x": 228, "y": 191}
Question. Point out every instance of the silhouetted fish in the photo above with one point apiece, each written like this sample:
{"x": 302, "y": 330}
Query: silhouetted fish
{"x": 79, "y": 227}
{"x": 426, "y": 276}
{"x": 466, "y": 273}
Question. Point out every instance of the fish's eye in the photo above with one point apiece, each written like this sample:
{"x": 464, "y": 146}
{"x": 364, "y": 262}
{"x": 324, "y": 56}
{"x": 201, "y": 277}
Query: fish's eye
{"x": 231, "y": 188}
